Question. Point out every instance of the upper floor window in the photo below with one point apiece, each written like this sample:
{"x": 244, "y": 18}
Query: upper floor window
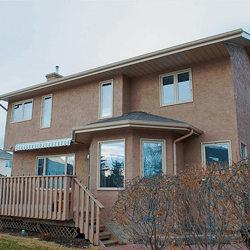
{"x": 106, "y": 99}
{"x": 176, "y": 88}
{"x": 46, "y": 111}
{"x": 22, "y": 111}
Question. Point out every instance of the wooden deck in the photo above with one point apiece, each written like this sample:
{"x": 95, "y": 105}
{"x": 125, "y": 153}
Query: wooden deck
{"x": 57, "y": 198}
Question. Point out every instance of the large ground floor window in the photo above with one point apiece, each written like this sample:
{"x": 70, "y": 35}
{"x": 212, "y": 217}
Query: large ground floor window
{"x": 56, "y": 165}
{"x": 218, "y": 153}
{"x": 153, "y": 157}
{"x": 111, "y": 163}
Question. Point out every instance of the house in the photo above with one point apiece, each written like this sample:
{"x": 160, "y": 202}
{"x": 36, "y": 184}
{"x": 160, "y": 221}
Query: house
{"x": 5, "y": 163}
{"x": 87, "y": 133}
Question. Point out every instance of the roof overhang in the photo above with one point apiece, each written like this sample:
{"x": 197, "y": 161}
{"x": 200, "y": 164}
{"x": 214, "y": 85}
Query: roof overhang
{"x": 85, "y": 133}
{"x": 186, "y": 54}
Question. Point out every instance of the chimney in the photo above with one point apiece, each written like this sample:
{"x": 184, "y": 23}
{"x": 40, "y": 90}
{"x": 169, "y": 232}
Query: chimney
{"x": 54, "y": 75}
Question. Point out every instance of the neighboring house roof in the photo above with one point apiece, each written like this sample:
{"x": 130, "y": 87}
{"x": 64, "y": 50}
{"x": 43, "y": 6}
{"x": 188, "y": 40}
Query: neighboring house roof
{"x": 5, "y": 155}
{"x": 138, "y": 119}
{"x": 202, "y": 50}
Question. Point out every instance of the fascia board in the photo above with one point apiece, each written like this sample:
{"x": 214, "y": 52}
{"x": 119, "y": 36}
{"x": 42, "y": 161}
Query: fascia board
{"x": 135, "y": 124}
{"x": 135, "y": 60}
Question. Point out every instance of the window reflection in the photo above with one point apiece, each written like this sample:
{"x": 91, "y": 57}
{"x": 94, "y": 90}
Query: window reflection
{"x": 17, "y": 112}
{"x": 168, "y": 89}
{"x": 152, "y": 158}
{"x": 47, "y": 104}
{"x": 183, "y": 87}
{"x": 106, "y": 99}
{"x": 217, "y": 154}
{"x": 112, "y": 164}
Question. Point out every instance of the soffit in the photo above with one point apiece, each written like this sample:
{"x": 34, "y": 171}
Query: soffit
{"x": 200, "y": 51}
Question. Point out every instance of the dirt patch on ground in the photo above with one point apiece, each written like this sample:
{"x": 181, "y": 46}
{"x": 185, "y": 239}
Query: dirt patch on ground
{"x": 78, "y": 242}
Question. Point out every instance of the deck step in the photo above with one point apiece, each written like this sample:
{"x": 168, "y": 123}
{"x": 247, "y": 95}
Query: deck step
{"x": 104, "y": 235}
{"x": 101, "y": 227}
{"x": 109, "y": 242}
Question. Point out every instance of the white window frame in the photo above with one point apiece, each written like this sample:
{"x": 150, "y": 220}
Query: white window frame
{"x": 22, "y": 103}
{"x": 100, "y": 116}
{"x": 245, "y": 145}
{"x": 176, "y": 90}
{"x": 99, "y": 162}
{"x": 51, "y": 156}
{"x": 203, "y": 154}
{"x": 164, "y": 168}
{"x": 42, "y": 109}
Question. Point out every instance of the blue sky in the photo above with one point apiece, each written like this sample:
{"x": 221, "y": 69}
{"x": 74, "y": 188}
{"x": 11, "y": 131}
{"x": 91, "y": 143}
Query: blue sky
{"x": 80, "y": 35}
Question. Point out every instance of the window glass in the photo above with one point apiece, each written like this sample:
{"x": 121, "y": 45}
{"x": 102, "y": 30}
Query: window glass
{"x": 8, "y": 164}
{"x": 176, "y": 88}
{"x": 27, "y": 110}
{"x": 70, "y": 165}
{"x": 106, "y": 100}
{"x": 40, "y": 166}
{"x": 217, "y": 153}
{"x": 17, "y": 112}
{"x": 55, "y": 165}
{"x": 243, "y": 151}
{"x": 168, "y": 89}
{"x": 183, "y": 87}
{"x": 112, "y": 164}
{"x": 47, "y": 103}
{"x": 152, "y": 158}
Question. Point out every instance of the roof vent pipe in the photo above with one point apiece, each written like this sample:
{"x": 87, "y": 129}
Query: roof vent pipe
{"x": 57, "y": 69}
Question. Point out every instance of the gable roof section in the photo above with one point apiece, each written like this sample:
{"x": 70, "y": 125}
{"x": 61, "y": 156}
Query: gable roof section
{"x": 138, "y": 119}
{"x": 198, "y": 51}
{"x": 5, "y": 155}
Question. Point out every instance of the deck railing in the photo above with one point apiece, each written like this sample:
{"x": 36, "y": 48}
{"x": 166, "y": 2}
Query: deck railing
{"x": 56, "y": 197}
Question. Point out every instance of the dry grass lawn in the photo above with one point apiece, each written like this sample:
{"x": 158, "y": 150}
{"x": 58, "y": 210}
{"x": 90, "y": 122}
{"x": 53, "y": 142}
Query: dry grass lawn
{"x": 8, "y": 242}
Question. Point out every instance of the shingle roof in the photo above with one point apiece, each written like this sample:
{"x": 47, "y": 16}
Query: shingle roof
{"x": 5, "y": 155}
{"x": 142, "y": 116}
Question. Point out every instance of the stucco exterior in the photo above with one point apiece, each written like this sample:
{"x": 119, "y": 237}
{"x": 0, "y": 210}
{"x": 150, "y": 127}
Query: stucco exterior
{"x": 220, "y": 109}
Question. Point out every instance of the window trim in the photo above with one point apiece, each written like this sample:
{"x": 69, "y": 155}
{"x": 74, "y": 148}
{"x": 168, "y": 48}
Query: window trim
{"x": 174, "y": 74}
{"x": 203, "y": 154}
{"x": 47, "y": 156}
{"x": 42, "y": 108}
{"x": 100, "y": 99}
{"x": 164, "y": 161}
{"x": 243, "y": 143}
{"x": 98, "y": 165}
{"x": 21, "y": 102}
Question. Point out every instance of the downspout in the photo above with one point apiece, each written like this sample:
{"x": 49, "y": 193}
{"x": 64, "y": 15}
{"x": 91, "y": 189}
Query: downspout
{"x": 174, "y": 147}
{"x": 3, "y": 107}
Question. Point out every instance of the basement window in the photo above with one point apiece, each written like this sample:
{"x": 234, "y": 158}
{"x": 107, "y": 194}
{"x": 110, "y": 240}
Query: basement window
{"x": 22, "y": 111}
{"x": 176, "y": 88}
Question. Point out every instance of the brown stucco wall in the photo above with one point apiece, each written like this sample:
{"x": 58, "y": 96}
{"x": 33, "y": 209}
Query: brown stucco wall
{"x": 71, "y": 107}
{"x": 24, "y": 162}
{"x": 240, "y": 64}
{"x": 132, "y": 159}
{"x": 212, "y": 110}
